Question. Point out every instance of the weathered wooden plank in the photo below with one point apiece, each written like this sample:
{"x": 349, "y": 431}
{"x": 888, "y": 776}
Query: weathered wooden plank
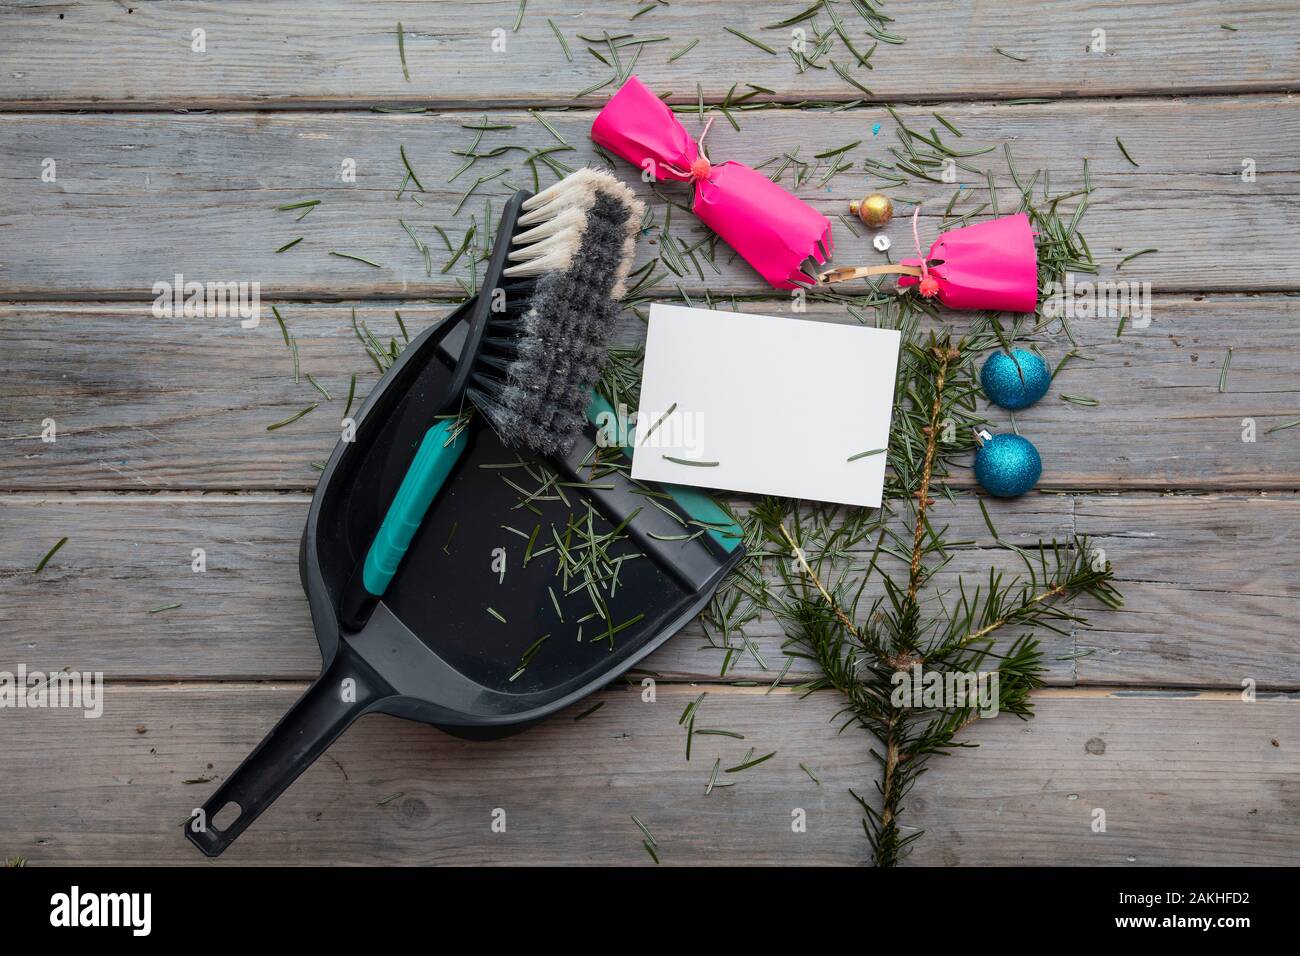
{"x": 97, "y": 56}
{"x": 140, "y": 198}
{"x": 246, "y": 617}
{"x": 1206, "y": 568}
{"x": 155, "y": 404}
{"x": 400, "y": 793}
{"x": 1208, "y": 590}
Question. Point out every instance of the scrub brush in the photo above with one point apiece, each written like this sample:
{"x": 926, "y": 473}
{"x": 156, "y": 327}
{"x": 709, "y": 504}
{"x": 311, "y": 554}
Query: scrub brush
{"x": 542, "y": 353}
{"x": 537, "y": 336}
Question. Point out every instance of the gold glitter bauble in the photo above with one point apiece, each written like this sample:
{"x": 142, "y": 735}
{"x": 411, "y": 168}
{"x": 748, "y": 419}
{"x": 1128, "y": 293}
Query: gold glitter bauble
{"x": 876, "y": 210}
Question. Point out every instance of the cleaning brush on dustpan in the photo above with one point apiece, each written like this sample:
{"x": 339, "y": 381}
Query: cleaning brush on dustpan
{"x": 537, "y": 335}
{"x": 543, "y": 354}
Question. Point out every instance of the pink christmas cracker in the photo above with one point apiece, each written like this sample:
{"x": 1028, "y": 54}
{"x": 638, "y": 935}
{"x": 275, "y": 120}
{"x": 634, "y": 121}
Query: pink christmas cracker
{"x": 990, "y": 265}
{"x": 774, "y": 231}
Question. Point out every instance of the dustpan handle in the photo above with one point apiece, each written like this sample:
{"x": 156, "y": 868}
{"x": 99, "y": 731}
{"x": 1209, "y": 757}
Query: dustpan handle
{"x": 339, "y": 696}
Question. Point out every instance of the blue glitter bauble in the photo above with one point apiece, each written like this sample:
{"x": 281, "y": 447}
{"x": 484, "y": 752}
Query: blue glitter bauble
{"x": 1007, "y": 465}
{"x": 1013, "y": 387}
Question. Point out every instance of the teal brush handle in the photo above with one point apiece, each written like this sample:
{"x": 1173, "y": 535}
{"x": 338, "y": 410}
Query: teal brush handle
{"x": 433, "y": 462}
{"x": 698, "y": 504}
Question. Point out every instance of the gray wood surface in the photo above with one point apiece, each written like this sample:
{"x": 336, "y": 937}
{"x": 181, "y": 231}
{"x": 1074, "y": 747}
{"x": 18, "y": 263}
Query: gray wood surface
{"x": 141, "y": 197}
{"x": 145, "y": 404}
{"x": 1193, "y": 780}
{"x": 344, "y": 55}
{"x": 1191, "y": 617}
{"x": 163, "y": 443}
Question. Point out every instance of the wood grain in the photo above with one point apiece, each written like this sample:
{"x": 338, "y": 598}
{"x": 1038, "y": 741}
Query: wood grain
{"x": 1207, "y": 588}
{"x": 142, "y": 197}
{"x": 1202, "y": 779}
{"x": 149, "y": 404}
{"x": 344, "y": 55}
{"x": 163, "y": 443}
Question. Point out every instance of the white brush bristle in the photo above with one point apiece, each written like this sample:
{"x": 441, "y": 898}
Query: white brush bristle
{"x": 559, "y": 216}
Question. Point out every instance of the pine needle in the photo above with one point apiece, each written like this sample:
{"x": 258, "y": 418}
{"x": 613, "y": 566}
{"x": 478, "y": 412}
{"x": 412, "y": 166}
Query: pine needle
{"x": 684, "y": 50}
{"x": 1134, "y": 255}
{"x": 564, "y": 44}
{"x": 650, "y": 837}
{"x": 589, "y": 711}
{"x": 1124, "y": 149}
{"x": 49, "y": 554}
{"x": 750, "y": 40}
{"x": 348, "y": 255}
{"x": 694, "y": 464}
{"x": 662, "y": 418}
{"x": 293, "y": 418}
{"x": 750, "y": 763}
{"x": 409, "y": 171}
{"x": 352, "y": 391}
{"x": 401, "y": 51}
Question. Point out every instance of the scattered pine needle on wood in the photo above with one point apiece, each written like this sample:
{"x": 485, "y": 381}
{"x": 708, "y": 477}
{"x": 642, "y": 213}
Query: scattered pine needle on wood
{"x": 319, "y": 387}
{"x": 750, "y": 40}
{"x": 1223, "y": 373}
{"x": 684, "y": 50}
{"x": 564, "y": 44}
{"x": 294, "y": 417}
{"x": 348, "y": 255}
{"x": 589, "y": 711}
{"x": 746, "y": 764}
{"x": 650, "y": 837}
{"x": 352, "y": 391}
{"x": 49, "y": 554}
{"x": 401, "y": 51}
{"x": 1134, "y": 255}
{"x": 1124, "y": 149}
{"x": 409, "y": 171}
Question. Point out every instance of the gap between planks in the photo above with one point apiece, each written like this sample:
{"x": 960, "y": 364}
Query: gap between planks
{"x": 790, "y": 687}
{"x": 790, "y": 102}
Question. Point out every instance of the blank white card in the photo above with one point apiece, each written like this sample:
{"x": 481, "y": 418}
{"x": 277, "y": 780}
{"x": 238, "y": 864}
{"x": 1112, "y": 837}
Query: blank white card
{"x": 767, "y": 405}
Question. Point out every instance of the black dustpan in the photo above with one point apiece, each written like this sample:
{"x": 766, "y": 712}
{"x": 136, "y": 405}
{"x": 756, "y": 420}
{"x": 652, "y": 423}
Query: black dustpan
{"x": 453, "y": 643}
